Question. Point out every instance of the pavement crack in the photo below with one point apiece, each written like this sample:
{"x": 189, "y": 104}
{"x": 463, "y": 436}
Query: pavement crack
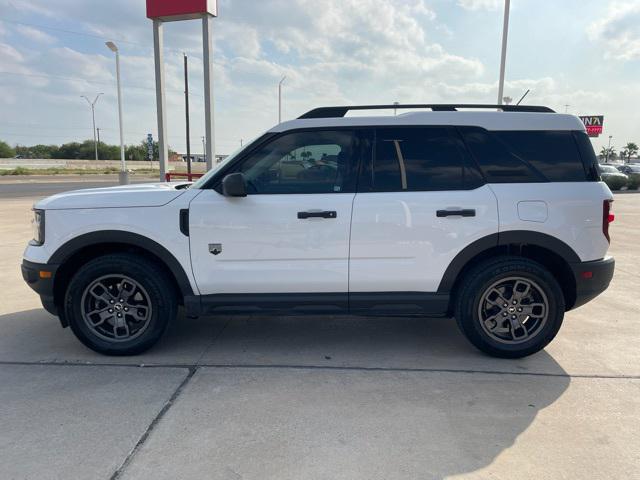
{"x": 347, "y": 368}
{"x": 156, "y": 420}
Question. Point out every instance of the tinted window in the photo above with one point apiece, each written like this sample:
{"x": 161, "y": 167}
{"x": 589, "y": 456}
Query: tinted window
{"x": 419, "y": 159}
{"x": 497, "y": 163}
{"x": 589, "y": 159}
{"x": 303, "y": 162}
{"x": 554, "y": 154}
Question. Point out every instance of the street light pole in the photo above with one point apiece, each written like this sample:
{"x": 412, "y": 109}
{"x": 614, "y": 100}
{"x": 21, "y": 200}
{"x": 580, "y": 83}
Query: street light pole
{"x": 124, "y": 175}
{"x": 608, "y": 149}
{"x": 280, "y": 99}
{"x": 93, "y": 118}
{"x": 503, "y": 56}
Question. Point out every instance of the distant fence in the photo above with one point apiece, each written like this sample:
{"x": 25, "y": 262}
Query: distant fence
{"x": 39, "y": 163}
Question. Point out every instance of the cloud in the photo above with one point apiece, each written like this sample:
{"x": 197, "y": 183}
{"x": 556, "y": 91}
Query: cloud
{"x": 479, "y": 4}
{"x": 34, "y": 34}
{"x": 618, "y": 31}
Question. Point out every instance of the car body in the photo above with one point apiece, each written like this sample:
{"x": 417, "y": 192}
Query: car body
{"x": 497, "y": 217}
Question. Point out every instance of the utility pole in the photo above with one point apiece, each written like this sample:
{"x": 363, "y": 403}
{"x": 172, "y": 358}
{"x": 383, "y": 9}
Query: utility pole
{"x": 280, "y": 99}
{"x": 566, "y": 108}
{"x": 503, "y": 55}
{"x": 93, "y": 118}
{"x": 204, "y": 151}
{"x": 186, "y": 113}
{"x": 240, "y": 143}
{"x": 395, "y": 108}
{"x": 98, "y": 130}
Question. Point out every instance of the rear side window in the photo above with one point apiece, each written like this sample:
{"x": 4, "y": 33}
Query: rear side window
{"x": 419, "y": 159}
{"x": 527, "y": 156}
{"x": 589, "y": 159}
{"x": 554, "y": 154}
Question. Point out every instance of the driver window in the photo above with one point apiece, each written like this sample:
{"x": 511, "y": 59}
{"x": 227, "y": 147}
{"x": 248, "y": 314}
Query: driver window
{"x": 302, "y": 162}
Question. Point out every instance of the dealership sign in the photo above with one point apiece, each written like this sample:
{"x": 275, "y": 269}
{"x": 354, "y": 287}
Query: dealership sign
{"x": 593, "y": 124}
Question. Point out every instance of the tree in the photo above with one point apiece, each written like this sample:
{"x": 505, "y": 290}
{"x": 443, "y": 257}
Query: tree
{"x": 630, "y": 149}
{"x": 607, "y": 153}
{"x": 6, "y": 151}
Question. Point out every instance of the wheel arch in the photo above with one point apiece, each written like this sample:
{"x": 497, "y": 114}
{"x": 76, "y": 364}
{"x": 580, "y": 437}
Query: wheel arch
{"x": 552, "y": 253}
{"x": 73, "y": 254}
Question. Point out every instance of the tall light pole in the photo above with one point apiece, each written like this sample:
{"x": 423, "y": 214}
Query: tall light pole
{"x": 280, "y": 99}
{"x": 503, "y": 56}
{"x": 93, "y": 118}
{"x": 124, "y": 175}
{"x": 608, "y": 149}
{"x": 395, "y": 108}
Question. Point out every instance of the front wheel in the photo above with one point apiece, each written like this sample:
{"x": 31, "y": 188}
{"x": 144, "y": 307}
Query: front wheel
{"x": 120, "y": 304}
{"x": 509, "y": 307}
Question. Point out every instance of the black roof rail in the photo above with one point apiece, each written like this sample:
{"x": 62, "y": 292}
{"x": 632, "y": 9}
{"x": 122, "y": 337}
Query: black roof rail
{"x": 328, "y": 112}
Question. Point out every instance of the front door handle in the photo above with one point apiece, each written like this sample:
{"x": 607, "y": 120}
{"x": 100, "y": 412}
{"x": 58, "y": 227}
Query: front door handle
{"x": 323, "y": 214}
{"x": 463, "y": 212}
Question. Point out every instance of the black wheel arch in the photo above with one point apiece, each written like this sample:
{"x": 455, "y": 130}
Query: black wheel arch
{"x": 73, "y": 254}
{"x": 552, "y": 253}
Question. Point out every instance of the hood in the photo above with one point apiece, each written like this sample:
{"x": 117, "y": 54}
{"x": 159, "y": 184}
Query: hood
{"x": 138, "y": 195}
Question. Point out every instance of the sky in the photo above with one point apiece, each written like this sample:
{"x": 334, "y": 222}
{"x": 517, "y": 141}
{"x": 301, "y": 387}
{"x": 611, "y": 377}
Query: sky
{"x": 580, "y": 56}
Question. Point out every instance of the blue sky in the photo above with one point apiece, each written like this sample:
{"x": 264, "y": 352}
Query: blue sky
{"x": 584, "y": 53}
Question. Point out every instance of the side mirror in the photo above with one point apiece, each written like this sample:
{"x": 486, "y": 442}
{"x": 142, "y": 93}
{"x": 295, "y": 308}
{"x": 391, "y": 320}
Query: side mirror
{"x": 234, "y": 185}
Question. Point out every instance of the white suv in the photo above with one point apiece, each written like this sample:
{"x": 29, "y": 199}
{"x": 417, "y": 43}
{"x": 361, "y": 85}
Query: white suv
{"x": 497, "y": 218}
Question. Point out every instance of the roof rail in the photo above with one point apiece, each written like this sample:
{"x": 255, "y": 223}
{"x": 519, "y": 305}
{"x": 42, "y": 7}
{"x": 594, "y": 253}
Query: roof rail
{"x": 327, "y": 112}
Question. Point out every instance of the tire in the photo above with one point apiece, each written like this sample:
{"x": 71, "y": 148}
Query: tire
{"x": 527, "y": 327}
{"x": 120, "y": 304}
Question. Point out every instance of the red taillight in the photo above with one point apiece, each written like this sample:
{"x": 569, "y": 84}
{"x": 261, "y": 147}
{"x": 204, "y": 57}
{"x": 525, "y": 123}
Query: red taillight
{"x": 607, "y": 218}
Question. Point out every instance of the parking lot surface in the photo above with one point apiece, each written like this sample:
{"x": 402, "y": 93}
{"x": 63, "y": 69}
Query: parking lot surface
{"x": 320, "y": 397}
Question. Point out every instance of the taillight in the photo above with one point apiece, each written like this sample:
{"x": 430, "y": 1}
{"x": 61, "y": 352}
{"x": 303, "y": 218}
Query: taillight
{"x": 607, "y": 218}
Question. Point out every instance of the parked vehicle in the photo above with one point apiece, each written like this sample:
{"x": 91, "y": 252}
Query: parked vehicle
{"x": 612, "y": 176}
{"x": 629, "y": 169}
{"x": 498, "y": 218}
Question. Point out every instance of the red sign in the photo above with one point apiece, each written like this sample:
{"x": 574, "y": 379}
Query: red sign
{"x": 593, "y": 124}
{"x": 170, "y": 10}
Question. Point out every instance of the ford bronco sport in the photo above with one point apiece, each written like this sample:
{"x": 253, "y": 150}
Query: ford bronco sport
{"x": 495, "y": 217}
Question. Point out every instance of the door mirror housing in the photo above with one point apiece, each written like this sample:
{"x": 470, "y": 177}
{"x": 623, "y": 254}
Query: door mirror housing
{"x": 234, "y": 185}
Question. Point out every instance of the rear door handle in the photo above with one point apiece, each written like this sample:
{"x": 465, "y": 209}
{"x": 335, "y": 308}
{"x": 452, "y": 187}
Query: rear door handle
{"x": 463, "y": 212}
{"x": 323, "y": 214}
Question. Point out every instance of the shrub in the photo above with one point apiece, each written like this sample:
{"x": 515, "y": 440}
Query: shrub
{"x": 634, "y": 181}
{"x": 615, "y": 182}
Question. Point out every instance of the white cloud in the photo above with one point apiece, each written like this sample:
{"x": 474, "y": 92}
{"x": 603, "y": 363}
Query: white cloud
{"x": 479, "y": 4}
{"x": 618, "y": 31}
{"x": 34, "y": 34}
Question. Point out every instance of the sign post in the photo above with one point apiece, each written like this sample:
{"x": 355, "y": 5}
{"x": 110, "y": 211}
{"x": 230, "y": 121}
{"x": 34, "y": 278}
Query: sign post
{"x": 161, "y": 11}
{"x": 150, "y": 146}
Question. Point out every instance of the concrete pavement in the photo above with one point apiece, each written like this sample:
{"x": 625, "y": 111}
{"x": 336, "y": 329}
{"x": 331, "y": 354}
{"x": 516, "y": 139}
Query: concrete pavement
{"x": 321, "y": 397}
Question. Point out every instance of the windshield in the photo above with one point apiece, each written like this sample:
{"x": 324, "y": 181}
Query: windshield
{"x": 608, "y": 169}
{"x": 205, "y": 178}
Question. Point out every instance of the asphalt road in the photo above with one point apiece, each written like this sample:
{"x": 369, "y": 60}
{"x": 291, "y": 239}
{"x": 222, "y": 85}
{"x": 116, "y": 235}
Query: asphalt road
{"x": 37, "y": 186}
{"x": 321, "y": 397}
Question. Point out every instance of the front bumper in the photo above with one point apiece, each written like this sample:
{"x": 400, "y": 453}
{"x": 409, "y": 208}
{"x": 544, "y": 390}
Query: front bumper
{"x": 592, "y": 278}
{"x": 40, "y": 277}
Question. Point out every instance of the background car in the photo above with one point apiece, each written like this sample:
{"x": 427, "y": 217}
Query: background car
{"x": 629, "y": 168}
{"x": 613, "y": 177}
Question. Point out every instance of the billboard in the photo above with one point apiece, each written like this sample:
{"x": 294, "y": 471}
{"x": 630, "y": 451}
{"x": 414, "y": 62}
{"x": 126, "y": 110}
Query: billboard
{"x": 171, "y": 10}
{"x": 593, "y": 124}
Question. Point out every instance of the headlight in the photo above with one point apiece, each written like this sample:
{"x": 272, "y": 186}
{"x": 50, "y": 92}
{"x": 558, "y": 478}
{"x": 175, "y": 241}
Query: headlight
{"x": 37, "y": 225}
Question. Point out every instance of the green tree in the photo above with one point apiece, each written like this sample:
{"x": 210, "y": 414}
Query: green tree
{"x": 607, "y": 154}
{"x": 630, "y": 149}
{"x": 6, "y": 151}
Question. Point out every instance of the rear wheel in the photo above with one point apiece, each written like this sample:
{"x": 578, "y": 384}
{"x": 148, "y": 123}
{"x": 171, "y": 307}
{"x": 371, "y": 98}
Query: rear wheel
{"x": 120, "y": 304}
{"x": 510, "y": 307}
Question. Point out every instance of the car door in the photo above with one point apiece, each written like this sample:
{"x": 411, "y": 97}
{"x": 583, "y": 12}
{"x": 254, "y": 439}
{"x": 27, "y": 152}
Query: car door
{"x": 287, "y": 242}
{"x": 420, "y": 202}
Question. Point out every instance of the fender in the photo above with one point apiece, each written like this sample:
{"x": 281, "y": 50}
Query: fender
{"x": 509, "y": 237}
{"x": 64, "y": 252}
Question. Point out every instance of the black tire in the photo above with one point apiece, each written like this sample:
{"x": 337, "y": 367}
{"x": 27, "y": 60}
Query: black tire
{"x": 471, "y": 299}
{"x": 153, "y": 286}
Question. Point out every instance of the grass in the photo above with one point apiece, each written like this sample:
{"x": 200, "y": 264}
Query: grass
{"x": 70, "y": 171}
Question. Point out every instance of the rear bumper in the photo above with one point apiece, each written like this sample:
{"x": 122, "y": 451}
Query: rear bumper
{"x": 592, "y": 278}
{"x": 42, "y": 286}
